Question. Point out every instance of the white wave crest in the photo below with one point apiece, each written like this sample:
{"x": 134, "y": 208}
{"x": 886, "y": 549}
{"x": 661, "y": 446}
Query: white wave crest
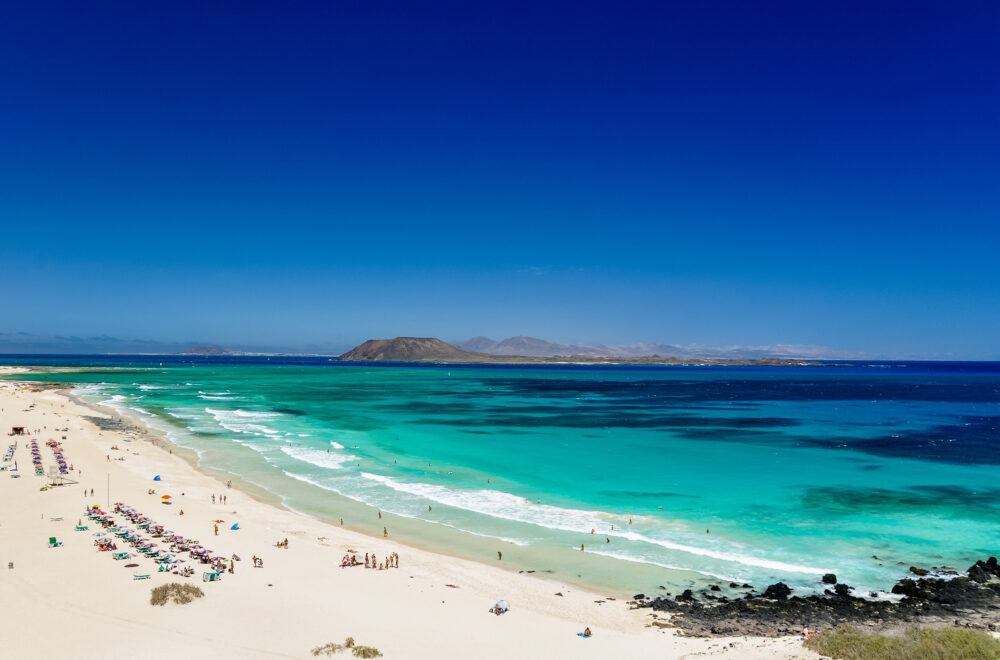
{"x": 511, "y": 507}
{"x": 640, "y": 560}
{"x": 318, "y": 457}
{"x": 237, "y": 421}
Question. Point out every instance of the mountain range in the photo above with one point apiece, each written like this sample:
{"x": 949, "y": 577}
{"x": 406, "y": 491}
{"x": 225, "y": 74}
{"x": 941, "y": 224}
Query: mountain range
{"x": 431, "y": 349}
{"x": 534, "y": 347}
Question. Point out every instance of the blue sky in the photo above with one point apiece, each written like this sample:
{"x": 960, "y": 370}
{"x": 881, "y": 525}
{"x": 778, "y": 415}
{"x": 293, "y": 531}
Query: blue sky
{"x": 314, "y": 175}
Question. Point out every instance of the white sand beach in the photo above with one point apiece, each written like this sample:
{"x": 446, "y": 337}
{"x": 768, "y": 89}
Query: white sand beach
{"x": 74, "y": 601}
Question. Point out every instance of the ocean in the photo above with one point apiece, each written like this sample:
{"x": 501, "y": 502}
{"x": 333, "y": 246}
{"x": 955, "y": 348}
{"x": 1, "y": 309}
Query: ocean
{"x": 669, "y": 477}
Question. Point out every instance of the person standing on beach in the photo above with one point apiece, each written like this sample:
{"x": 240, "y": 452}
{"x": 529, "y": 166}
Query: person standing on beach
{"x": 385, "y": 532}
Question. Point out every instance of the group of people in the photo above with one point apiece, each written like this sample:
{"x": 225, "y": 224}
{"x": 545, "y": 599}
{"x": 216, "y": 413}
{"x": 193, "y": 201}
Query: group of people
{"x": 222, "y": 499}
{"x": 258, "y": 562}
{"x": 282, "y": 544}
{"x": 105, "y": 544}
{"x": 371, "y": 561}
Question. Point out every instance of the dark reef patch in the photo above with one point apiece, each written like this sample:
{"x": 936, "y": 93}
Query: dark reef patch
{"x": 970, "y": 441}
{"x": 947, "y": 501}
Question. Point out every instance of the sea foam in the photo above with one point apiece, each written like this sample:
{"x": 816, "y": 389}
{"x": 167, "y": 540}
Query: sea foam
{"x": 318, "y": 457}
{"x": 507, "y": 506}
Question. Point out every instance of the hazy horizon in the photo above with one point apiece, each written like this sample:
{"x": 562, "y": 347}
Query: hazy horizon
{"x": 302, "y": 179}
{"x": 22, "y": 343}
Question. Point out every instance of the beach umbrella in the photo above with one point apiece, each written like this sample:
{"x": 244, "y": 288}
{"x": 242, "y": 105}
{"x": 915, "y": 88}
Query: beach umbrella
{"x": 165, "y": 497}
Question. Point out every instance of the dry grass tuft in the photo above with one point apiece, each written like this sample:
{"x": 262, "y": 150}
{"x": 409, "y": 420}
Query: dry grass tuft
{"x": 359, "y": 651}
{"x": 181, "y": 594}
{"x": 848, "y": 643}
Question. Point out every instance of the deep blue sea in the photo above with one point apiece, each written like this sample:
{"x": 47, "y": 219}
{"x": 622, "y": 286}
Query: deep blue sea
{"x": 686, "y": 475}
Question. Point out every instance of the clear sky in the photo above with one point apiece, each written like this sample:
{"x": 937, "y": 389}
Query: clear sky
{"x": 299, "y": 176}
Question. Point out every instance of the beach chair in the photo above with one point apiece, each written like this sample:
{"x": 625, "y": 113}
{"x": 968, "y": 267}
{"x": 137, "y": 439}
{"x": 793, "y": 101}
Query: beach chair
{"x": 211, "y": 576}
{"x": 81, "y": 528}
{"x": 164, "y": 568}
{"x": 53, "y": 543}
{"x": 140, "y": 577}
{"x": 120, "y": 555}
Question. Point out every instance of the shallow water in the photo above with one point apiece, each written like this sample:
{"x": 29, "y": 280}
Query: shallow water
{"x": 734, "y": 474}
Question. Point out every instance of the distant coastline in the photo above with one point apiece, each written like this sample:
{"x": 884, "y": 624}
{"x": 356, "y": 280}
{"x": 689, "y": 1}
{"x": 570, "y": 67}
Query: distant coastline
{"x": 429, "y": 349}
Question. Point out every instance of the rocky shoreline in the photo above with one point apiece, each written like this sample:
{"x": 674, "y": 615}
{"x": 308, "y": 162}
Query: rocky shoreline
{"x": 971, "y": 600}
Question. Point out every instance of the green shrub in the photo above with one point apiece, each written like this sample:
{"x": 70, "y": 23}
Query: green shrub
{"x": 366, "y": 652}
{"x": 181, "y": 594}
{"x": 848, "y": 643}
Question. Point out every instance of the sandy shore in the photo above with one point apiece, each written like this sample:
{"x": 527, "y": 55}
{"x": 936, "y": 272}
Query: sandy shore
{"x": 73, "y": 601}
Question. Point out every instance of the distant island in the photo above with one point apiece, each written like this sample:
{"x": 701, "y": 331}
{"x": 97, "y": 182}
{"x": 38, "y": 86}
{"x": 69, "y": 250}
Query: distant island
{"x": 430, "y": 349}
{"x": 210, "y": 350}
{"x": 525, "y": 346}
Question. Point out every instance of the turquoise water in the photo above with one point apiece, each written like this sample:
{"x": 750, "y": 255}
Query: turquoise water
{"x": 745, "y": 475}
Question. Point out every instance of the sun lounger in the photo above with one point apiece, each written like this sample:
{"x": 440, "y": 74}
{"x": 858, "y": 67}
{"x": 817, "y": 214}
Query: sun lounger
{"x": 211, "y": 576}
{"x": 121, "y": 555}
{"x": 81, "y": 528}
{"x": 53, "y": 543}
{"x": 55, "y": 519}
{"x": 140, "y": 577}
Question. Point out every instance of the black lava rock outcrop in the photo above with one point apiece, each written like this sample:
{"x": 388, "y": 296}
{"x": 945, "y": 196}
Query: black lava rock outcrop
{"x": 972, "y": 600}
{"x": 778, "y": 591}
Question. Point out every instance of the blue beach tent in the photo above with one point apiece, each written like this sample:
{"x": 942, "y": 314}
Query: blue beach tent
{"x": 236, "y": 526}
{"x": 156, "y": 478}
